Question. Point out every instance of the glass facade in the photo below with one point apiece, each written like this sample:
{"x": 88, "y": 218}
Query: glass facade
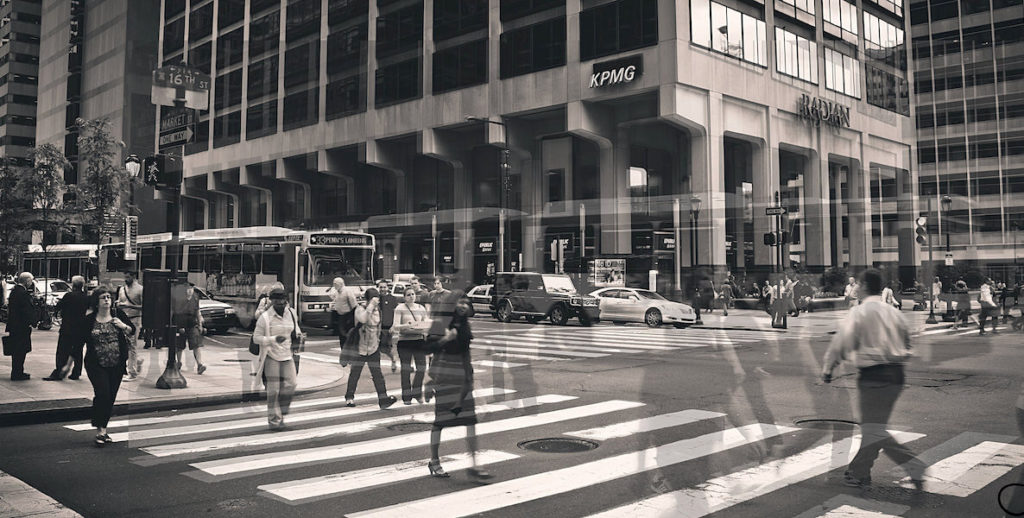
{"x": 729, "y": 31}
{"x": 796, "y": 56}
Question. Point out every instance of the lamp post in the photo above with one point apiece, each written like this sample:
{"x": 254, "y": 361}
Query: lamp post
{"x": 946, "y": 203}
{"x": 503, "y": 174}
{"x": 931, "y": 269}
{"x": 133, "y": 166}
{"x": 694, "y": 255}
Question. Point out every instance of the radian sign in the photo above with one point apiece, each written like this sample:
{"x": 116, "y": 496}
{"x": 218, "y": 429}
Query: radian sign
{"x": 620, "y": 71}
{"x": 818, "y": 110}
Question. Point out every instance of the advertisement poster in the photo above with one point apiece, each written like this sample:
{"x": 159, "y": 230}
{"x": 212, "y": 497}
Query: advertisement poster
{"x": 609, "y": 272}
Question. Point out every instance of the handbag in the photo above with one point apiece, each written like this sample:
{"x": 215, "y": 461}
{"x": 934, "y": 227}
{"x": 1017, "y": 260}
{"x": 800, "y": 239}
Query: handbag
{"x": 7, "y": 343}
{"x": 298, "y": 339}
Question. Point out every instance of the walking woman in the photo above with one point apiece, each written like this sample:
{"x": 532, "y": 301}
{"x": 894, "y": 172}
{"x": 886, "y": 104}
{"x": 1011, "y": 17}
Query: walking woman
{"x": 452, "y": 384}
{"x": 369, "y": 318}
{"x": 276, "y": 330}
{"x": 106, "y": 357}
{"x": 410, "y": 329}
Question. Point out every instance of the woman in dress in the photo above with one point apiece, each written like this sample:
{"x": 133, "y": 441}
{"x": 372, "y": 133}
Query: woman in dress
{"x": 106, "y": 357}
{"x": 409, "y": 333}
{"x": 452, "y": 384}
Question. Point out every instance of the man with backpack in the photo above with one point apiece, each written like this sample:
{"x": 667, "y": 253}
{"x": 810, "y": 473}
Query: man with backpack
{"x": 129, "y": 300}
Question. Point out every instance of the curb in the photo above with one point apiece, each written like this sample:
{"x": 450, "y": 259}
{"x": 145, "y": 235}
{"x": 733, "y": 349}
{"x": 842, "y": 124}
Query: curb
{"x": 51, "y": 411}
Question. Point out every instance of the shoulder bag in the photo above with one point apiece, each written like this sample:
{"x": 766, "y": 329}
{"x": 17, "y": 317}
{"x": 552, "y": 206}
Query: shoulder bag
{"x": 254, "y": 348}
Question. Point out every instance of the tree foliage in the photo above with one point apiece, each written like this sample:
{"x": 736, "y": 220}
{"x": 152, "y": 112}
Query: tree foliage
{"x": 13, "y": 219}
{"x": 102, "y": 179}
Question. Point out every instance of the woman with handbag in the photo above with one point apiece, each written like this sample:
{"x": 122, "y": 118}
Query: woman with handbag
{"x": 368, "y": 316}
{"x": 106, "y": 357}
{"x": 279, "y": 337}
{"x": 410, "y": 331}
{"x": 452, "y": 383}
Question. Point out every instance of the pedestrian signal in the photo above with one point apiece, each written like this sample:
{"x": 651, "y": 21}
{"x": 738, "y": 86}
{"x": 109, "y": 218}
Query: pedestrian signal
{"x": 769, "y": 239}
{"x": 162, "y": 171}
{"x": 785, "y": 237}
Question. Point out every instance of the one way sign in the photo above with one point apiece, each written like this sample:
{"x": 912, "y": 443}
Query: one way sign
{"x": 176, "y": 138}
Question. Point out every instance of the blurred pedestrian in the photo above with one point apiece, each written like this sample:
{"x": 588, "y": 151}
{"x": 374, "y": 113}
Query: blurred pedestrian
{"x": 452, "y": 384}
{"x": 410, "y": 331}
{"x": 368, "y": 315}
{"x": 189, "y": 321}
{"x": 988, "y": 308}
{"x": 725, "y": 294}
{"x": 343, "y": 306}
{"x": 962, "y": 296}
{"x": 108, "y": 346}
{"x": 21, "y": 316}
{"x": 276, "y": 331}
{"x": 850, "y": 293}
{"x": 876, "y": 337}
{"x": 936, "y": 291}
{"x": 422, "y": 295}
{"x": 129, "y": 300}
{"x": 388, "y": 304}
{"x": 888, "y": 297}
{"x": 789, "y": 295}
{"x": 71, "y": 339}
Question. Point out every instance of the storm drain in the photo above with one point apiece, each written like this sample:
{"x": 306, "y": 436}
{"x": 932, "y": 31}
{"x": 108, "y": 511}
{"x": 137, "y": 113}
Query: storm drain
{"x": 827, "y": 424}
{"x": 558, "y": 445}
{"x": 410, "y": 427}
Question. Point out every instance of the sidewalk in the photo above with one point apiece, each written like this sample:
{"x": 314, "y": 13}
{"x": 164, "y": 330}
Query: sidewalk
{"x": 814, "y": 323}
{"x": 227, "y": 379}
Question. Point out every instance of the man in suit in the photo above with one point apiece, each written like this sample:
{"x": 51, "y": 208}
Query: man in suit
{"x": 72, "y": 307}
{"x": 21, "y": 316}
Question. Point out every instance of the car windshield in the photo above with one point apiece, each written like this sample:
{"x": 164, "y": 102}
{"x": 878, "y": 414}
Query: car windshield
{"x": 558, "y": 284}
{"x": 59, "y": 286}
{"x": 201, "y": 295}
{"x": 650, "y": 295}
{"x": 351, "y": 264}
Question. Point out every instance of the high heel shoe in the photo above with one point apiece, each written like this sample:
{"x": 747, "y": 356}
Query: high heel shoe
{"x": 436, "y": 470}
{"x": 479, "y": 474}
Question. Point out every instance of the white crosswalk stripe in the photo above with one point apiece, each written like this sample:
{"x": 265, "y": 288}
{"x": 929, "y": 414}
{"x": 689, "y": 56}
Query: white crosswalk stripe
{"x": 846, "y": 506}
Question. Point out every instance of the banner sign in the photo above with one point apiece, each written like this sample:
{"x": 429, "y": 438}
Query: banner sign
{"x": 340, "y": 240}
{"x": 131, "y": 237}
{"x": 609, "y": 272}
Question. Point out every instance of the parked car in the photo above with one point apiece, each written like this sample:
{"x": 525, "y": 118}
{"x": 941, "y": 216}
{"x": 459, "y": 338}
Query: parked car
{"x": 218, "y": 316}
{"x": 480, "y": 296}
{"x": 622, "y": 305}
{"x": 52, "y": 289}
{"x": 536, "y": 296}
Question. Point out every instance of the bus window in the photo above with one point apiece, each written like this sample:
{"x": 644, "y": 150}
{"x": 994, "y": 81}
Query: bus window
{"x": 115, "y": 259}
{"x": 171, "y": 257}
{"x": 249, "y": 263}
{"x": 352, "y": 265}
{"x": 195, "y": 258}
{"x": 213, "y": 260}
{"x": 232, "y": 262}
{"x": 150, "y": 258}
{"x": 273, "y": 264}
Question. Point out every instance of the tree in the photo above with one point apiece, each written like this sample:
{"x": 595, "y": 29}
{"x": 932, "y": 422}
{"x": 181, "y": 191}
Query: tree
{"x": 102, "y": 179}
{"x": 42, "y": 187}
{"x": 13, "y": 216}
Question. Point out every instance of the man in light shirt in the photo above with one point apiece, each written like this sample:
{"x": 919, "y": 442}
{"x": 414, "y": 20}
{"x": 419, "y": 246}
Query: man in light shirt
{"x": 876, "y": 338}
{"x": 851, "y": 292}
{"x": 988, "y": 307}
{"x": 343, "y": 304}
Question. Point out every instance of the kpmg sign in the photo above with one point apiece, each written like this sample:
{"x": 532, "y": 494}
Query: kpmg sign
{"x": 625, "y": 70}
{"x": 818, "y": 110}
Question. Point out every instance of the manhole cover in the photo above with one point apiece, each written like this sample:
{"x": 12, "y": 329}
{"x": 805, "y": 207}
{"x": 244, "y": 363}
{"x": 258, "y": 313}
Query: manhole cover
{"x": 233, "y": 360}
{"x": 410, "y": 427}
{"x": 558, "y": 445}
{"x": 827, "y": 424}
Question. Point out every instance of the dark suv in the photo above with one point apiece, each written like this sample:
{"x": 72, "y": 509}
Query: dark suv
{"x": 536, "y": 296}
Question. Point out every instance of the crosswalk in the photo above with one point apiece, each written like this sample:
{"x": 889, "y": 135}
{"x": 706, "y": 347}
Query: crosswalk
{"x": 331, "y": 451}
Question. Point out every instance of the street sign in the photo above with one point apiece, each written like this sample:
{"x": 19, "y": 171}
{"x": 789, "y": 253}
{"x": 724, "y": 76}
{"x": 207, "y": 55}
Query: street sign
{"x": 131, "y": 237}
{"x": 181, "y": 84}
{"x": 949, "y": 259}
{"x": 774, "y": 211}
{"x": 176, "y": 138}
{"x": 176, "y": 119}
{"x": 112, "y": 224}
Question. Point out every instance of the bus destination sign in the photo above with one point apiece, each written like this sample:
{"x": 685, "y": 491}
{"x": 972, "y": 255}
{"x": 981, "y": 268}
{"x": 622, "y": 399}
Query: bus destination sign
{"x": 340, "y": 240}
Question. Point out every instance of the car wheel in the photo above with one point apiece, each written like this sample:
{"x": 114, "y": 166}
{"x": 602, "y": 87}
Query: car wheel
{"x": 652, "y": 318}
{"x": 682, "y": 326}
{"x": 504, "y": 312}
{"x": 558, "y": 316}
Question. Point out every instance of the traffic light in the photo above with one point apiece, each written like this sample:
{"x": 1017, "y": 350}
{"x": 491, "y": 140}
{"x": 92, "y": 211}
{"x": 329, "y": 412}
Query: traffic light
{"x": 922, "y": 230}
{"x": 162, "y": 171}
{"x": 769, "y": 239}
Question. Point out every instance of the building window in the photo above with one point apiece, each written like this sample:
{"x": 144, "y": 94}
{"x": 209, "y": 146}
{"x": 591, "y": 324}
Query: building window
{"x": 533, "y": 48}
{"x": 340, "y": 11}
{"x": 173, "y": 8}
{"x": 346, "y": 96}
{"x": 200, "y": 23}
{"x": 202, "y": 138}
{"x": 729, "y": 31}
{"x": 230, "y": 49}
{"x": 261, "y": 120}
{"x": 512, "y": 9}
{"x": 346, "y": 48}
{"x": 201, "y": 57}
{"x": 174, "y": 36}
{"x": 618, "y": 27}
{"x": 264, "y": 34}
{"x": 887, "y": 90}
{"x": 459, "y": 67}
{"x": 302, "y": 64}
{"x": 300, "y": 108}
{"x": 258, "y": 6}
{"x": 796, "y": 56}
{"x": 398, "y": 82}
{"x": 229, "y": 12}
{"x": 840, "y": 13}
{"x": 400, "y": 30}
{"x": 883, "y": 42}
{"x": 842, "y": 73}
{"x": 303, "y": 19}
{"x": 263, "y": 78}
{"x": 455, "y": 17}
{"x": 228, "y": 90}
{"x": 227, "y": 129}
{"x": 806, "y": 6}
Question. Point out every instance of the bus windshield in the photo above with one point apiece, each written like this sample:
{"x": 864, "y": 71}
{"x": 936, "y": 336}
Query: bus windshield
{"x": 351, "y": 264}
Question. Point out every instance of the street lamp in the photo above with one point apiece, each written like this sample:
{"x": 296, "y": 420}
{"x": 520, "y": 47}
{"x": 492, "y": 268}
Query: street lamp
{"x": 931, "y": 269}
{"x": 506, "y": 169}
{"x": 946, "y": 203}
{"x": 694, "y": 254}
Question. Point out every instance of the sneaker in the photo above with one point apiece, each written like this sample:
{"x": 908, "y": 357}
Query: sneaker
{"x": 74, "y": 377}
{"x": 201, "y": 369}
{"x": 385, "y": 404}
{"x": 130, "y": 377}
{"x": 20, "y": 377}
{"x": 350, "y": 403}
{"x": 852, "y": 481}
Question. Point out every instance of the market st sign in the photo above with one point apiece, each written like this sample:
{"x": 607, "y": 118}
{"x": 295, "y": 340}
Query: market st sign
{"x": 818, "y": 110}
{"x": 625, "y": 70}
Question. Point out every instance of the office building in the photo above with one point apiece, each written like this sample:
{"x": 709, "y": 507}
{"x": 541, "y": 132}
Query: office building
{"x": 19, "y": 78}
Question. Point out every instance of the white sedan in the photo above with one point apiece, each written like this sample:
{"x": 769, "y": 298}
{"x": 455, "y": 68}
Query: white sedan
{"x": 621, "y": 305}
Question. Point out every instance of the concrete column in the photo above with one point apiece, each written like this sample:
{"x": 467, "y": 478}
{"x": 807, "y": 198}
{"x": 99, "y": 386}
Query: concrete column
{"x": 296, "y": 171}
{"x": 817, "y": 211}
{"x": 449, "y": 148}
{"x": 859, "y": 217}
{"x": 250, "y": 178}
{"x": 216, "y": 182}
{"x": 596, "y": 124}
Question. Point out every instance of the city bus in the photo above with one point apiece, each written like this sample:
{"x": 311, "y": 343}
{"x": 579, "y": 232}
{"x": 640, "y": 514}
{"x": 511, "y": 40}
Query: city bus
{"x": 65, "y": 261}
{"x": 237, "y": 265}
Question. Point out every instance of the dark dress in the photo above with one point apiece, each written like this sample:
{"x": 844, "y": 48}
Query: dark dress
{"x": 105, "y": 365}
{"x": 450, "y": 370}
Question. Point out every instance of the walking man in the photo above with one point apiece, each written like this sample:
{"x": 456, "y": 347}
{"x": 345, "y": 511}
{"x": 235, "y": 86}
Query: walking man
{"x": 129, "y": 300}
{"x": 344, "y": 306}
{"x": 72, "y": 307}
{"x": 876, "y": 337}
{"x": 388, "y": 304}
{"x": 189, "y": 320}
{"x": 988, "y": 307}
{"x": 20, "y": 317}
{"x": 851, "y": 292}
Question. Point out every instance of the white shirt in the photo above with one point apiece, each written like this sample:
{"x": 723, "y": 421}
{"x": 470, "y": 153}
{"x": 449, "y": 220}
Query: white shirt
{"x": 873, "y": 333}
{"x": 271, "y": 325}
{"x": 986, "y": 296}
{"x": 888, "y": 297}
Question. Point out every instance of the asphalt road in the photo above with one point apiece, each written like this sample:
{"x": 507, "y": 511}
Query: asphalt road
{"x": 706, "y": 454}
